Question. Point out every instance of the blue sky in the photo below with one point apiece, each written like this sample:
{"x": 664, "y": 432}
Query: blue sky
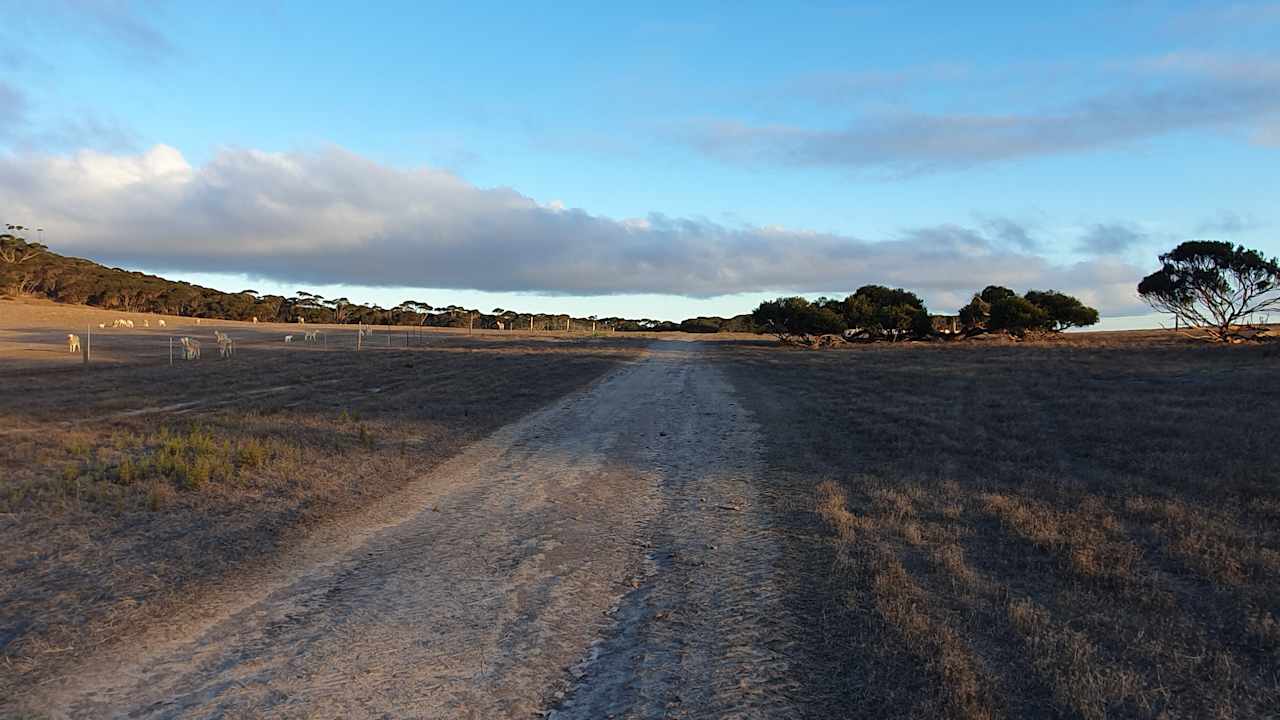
{"x": 660, "y": 160}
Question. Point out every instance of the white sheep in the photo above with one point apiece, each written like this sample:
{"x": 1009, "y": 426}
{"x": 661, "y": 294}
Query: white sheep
{"x": 102, "y": 326}
{"x": 226, "y": 347}
{"x": 190, "y": 348}
{"x": 146, "y": 323}
{"x": 73, "y": 342}
{"x": 311, "y": 336}
{"x": 160, "y": 323}
{"x": 128, "y": 324}
{"x": 255, "y": 319}
{"x": 288, "y": 339}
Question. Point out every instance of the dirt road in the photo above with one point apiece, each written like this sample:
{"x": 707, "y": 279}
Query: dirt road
{"x": 607, "y": 556}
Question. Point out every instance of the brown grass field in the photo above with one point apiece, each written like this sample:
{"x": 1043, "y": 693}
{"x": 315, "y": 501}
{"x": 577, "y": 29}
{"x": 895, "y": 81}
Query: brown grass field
{"x": 1086, "y": 527}
{"x": 126, "y": 487}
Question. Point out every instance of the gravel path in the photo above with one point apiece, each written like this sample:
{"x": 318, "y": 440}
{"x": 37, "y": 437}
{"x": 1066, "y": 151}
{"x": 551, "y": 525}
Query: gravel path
{"x": 607, "y": 556}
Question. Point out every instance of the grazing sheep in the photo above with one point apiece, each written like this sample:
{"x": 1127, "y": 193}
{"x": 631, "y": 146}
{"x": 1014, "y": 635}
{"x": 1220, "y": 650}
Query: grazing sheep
{"x": 128, "y": 324}
{"x": 226, "y": 348}
{"x": 255, "y": 319}
{"x": 160, "y": 323}
{"x": 288, "y": 339}
{"x": 146, "y": 323}
{"x": 102, "y": 326}
{"x": 73, "y": 342}
{"x": 190, "y": 348}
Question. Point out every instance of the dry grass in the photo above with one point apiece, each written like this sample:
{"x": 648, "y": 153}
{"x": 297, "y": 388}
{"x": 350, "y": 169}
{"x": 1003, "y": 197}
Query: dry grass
{"x": 125, "y": 488}
{"x": 1085, "y": 528}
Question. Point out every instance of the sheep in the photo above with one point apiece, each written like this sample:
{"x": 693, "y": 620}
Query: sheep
{"x": 160, "y": 323}
{"x": 190, "y": 348}
{"x": 288, "y": 339}
{"x": 311, "y": 336}
{"x": 102, "y": 326}
{"x": 128, "y": 324}
{"x": 146, "y": 323}
{"x": 73, "y": 342}
{"x": 255, "y": 319}
{"x": 219, "y": 337}
{"x": 302, "y": 320}
{"x": 226, "y": 347}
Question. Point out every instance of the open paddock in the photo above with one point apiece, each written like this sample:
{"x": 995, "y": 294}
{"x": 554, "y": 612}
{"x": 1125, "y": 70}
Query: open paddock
{"x": 1083, "y": 528}
{"x": 130, "y": 484}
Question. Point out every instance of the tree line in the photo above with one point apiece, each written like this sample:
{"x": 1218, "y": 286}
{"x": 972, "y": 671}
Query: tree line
{"x": 1215, "y": 290}
{"x": 876, "y": 312}
{"x": 31, "y": 269}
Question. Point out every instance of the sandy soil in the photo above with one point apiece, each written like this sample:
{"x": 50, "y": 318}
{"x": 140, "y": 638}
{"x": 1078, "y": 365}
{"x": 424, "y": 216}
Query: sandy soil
{"x": 607, "y": 556}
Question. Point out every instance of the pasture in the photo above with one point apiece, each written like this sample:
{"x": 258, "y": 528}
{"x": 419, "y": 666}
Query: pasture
{"x": 1084, "y": 528}
{"x": 130, "y": 484}
{"x": 1081, "y": 527}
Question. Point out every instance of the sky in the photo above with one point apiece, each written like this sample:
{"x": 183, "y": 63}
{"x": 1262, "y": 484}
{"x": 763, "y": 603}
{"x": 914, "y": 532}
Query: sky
{"x": 657, "y": 160}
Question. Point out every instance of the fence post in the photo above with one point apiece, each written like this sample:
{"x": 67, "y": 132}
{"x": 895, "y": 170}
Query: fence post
{"x": 170, "y": 351}
{"x": 84, "y": 351}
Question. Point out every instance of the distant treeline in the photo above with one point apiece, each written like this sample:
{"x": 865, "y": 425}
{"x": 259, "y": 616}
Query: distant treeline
{"x": 876, "y": 312}
{"x": 31, "y": 269}
{"x": 873, "y": 312}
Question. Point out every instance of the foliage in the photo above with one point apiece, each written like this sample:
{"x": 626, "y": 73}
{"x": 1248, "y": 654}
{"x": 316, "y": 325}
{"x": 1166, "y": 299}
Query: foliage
{"x": 1215, "y": 287}
{"x": 1064, "y": 311}
{"x": 1016, "y": 315}
{"x": 791, "y": 318}
{"x": 878, "y": 312}
{"x": 1000, "y": 309}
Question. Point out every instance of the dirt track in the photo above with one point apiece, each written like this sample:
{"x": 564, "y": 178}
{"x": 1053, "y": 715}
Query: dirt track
{"x": 605, "y": 556}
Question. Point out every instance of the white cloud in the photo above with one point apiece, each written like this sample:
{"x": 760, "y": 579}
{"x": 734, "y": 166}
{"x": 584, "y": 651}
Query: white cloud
{"x": 331, "y": 216}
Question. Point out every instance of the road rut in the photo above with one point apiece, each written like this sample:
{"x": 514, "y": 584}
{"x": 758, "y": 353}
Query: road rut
{"x": 608, "y": 556}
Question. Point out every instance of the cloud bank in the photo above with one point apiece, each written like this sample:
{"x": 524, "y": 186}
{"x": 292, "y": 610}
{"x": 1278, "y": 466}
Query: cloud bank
{"x": 1165, "y": 94}
{"x": 331, "y": 216}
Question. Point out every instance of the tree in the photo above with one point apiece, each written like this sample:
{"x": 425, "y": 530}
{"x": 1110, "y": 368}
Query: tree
{"x": 883, "y": 313}
{"x": 793, "y": 318}
{"x": 977, "y": 313}
{"x": 1016, "y": 315}
{"x": 16, "y": 251}
{"x": 1063, "y": 311}
{"x": 1215, "y": 287}
{"x": 339, "y": 307}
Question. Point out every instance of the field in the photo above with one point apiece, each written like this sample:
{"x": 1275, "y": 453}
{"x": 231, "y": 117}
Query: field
{"x": 132, "y": 484}
{"x": 1086, "y": 527}
{"x": 1089, "y": 528}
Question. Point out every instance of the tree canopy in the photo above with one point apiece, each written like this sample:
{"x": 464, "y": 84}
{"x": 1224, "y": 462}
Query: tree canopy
{"x": 1214, "y": 287}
